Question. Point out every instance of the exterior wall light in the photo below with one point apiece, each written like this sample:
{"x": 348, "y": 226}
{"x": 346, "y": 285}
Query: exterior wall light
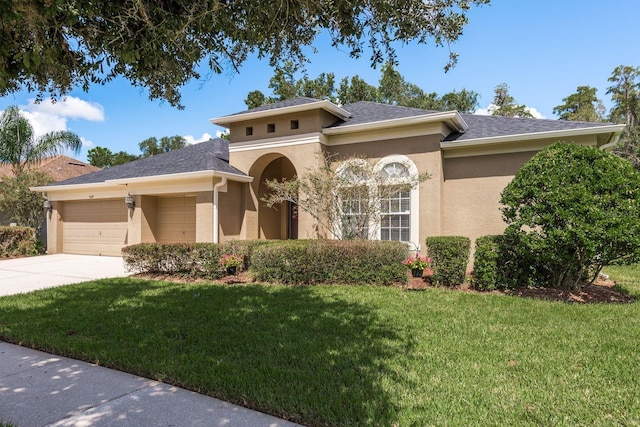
{"x": 131, "y": 204}
{"x": 48, "y": 207}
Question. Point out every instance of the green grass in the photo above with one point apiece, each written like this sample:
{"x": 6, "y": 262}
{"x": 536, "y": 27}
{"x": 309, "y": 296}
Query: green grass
{"x": 354, "y": 355}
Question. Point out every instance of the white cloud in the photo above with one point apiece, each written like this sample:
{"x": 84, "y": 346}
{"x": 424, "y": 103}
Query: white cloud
{"x": 48, "y": 116}
{"x": 535, "y": 113}
{"x": 193, "y": 140}
{"x": 86, "y": 143}
{"x": 69, "y": 107}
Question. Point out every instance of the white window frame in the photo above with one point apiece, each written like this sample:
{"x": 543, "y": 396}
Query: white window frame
{"x": 340, "y": 170}
{"x": 414, "y": 194}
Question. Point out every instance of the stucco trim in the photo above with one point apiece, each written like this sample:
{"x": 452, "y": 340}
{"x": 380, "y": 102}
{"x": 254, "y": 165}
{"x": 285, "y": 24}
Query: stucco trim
{"x": 145, "y": 179}
{"x": 454, "y": 145}
{"x": 285, "y": 141}
{"x": 452, "y": 118}
{"x": 225, "y": 121}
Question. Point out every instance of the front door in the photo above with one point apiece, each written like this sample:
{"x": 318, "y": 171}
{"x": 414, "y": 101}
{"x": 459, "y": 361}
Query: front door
{"x": 292, "y": 220}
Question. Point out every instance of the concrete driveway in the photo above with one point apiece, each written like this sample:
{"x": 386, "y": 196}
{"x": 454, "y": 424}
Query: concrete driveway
{"x": 27, "y": 274}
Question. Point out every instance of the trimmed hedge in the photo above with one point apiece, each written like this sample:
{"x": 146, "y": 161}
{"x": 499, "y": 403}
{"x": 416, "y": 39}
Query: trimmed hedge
{"x": 18, "y": 242}
{"x": 360, "y": 262}
{"x": 502, "y": 262}
{"x": 189, "y": 259}
{"x": 486, "y": 268}
{"x": 450, "y": 255}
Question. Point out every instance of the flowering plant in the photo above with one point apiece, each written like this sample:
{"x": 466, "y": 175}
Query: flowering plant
{"x": 418, "y": 262}
{"x": 231, "y": 260}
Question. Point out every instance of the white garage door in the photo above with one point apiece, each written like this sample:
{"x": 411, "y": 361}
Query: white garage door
{"x": 94, "y": 227}
{"x": 176, "y": 219}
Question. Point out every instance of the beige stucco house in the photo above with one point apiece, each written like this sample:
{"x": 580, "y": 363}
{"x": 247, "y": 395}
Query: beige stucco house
{"x": 212, "y": 191}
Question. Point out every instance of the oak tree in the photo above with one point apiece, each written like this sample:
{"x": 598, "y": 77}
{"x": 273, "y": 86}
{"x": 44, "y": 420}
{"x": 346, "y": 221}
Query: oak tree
{"x": 51, "y": 47}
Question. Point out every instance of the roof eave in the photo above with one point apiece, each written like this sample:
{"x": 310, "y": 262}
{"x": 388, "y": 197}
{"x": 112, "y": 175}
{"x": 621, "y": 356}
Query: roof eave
{"x": 328, "y": 106}
{"x": 452, "y": 145}
{"x": 452, "y": 118}
{"x": 147, "y": 179}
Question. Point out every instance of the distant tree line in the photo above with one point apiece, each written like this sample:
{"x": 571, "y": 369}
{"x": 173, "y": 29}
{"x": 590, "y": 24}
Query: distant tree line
{"x": 395, "y": 89}
{"x": 102, "y": 157}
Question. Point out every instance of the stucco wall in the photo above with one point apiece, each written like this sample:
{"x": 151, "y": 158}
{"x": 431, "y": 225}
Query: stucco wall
{"x": 472, "y": 187}
{"x": 231, "y": 210}
{"x": 254, "y": 162}
{"x": 308, "y": 122}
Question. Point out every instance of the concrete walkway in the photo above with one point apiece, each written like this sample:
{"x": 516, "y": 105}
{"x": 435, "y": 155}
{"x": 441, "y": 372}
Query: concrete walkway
{"x": 40, "y": 389}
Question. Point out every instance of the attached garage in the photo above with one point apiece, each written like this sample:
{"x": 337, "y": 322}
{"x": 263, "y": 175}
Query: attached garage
{"x": 94, "y": 227}
{"x": 176, "y": 219}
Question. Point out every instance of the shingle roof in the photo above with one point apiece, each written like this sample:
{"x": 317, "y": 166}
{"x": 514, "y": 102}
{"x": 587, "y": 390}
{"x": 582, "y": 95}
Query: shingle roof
{"x": 493, "y": 126}
{"x": 58, "y": 167}
{"x": 368, "y": 112}
{"x": 479, "y": 126}
{"x": 193, "y": 158}
{"x": 280, "y": 104}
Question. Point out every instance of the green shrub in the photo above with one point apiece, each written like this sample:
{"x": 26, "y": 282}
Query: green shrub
{"x": 571, "y": 210}
{"x": 189, "y": 259}
{"x": 243, "y": 247}
{"x": 18, "y": 241}
{"x": 485, "y": 263}
{"x": 330, "y": 261}
{"x": 450, "y": 255}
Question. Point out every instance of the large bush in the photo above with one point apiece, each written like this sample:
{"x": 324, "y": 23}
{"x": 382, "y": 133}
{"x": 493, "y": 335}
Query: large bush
{"x": 18, "y": 241}
{"x": 571, "y": 210}
{"x": 330, "y": 261}
{"x": 450, "y": 255}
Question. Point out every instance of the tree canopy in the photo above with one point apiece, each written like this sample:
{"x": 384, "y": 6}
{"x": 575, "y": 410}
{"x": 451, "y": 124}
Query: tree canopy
{"x": 625, "y": 95}
{"x": 583, "y": 105}
{"x": 393, "y": 89}
{"x": 54, "y": 46}
{"x": 103, "y": 157}
{"x": 151, "y": 146}
{"x": 505, "y": 105}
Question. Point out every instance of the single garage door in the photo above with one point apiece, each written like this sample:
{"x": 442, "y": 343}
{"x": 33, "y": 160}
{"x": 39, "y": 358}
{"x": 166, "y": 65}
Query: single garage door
{"x": 94, "y": 227}
{"x": 176, "y": 219}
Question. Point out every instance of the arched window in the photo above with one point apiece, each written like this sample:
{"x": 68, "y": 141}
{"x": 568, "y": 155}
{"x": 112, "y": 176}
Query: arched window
{"x": 379, "y": 202}
{"x": 355, "y": 210}
{"x": 399, "y": 219}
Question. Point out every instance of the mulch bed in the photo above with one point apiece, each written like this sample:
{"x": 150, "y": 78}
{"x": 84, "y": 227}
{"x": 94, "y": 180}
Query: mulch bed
{"x": 601, "y": 292}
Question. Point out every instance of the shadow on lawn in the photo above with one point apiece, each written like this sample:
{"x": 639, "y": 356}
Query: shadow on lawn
{"x": 312, "y": 356}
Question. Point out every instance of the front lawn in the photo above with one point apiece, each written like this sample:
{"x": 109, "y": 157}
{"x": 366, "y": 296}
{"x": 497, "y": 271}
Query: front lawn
{"x": 330, "y": 355}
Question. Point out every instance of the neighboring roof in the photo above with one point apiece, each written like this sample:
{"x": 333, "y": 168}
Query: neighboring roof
{"x": 59, "y": 168}
{"x": 193, "y": 158}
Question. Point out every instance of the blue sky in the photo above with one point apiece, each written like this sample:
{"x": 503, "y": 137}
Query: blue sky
{"x": 543, "y": 49}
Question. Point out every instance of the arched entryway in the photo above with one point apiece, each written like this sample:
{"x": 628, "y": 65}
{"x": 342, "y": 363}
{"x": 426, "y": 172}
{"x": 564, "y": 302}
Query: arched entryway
{"x": 278, "y": 222}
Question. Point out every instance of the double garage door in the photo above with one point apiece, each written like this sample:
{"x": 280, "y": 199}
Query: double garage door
{"x": 94, "y": 227}
{"x": 100, "y": 227}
